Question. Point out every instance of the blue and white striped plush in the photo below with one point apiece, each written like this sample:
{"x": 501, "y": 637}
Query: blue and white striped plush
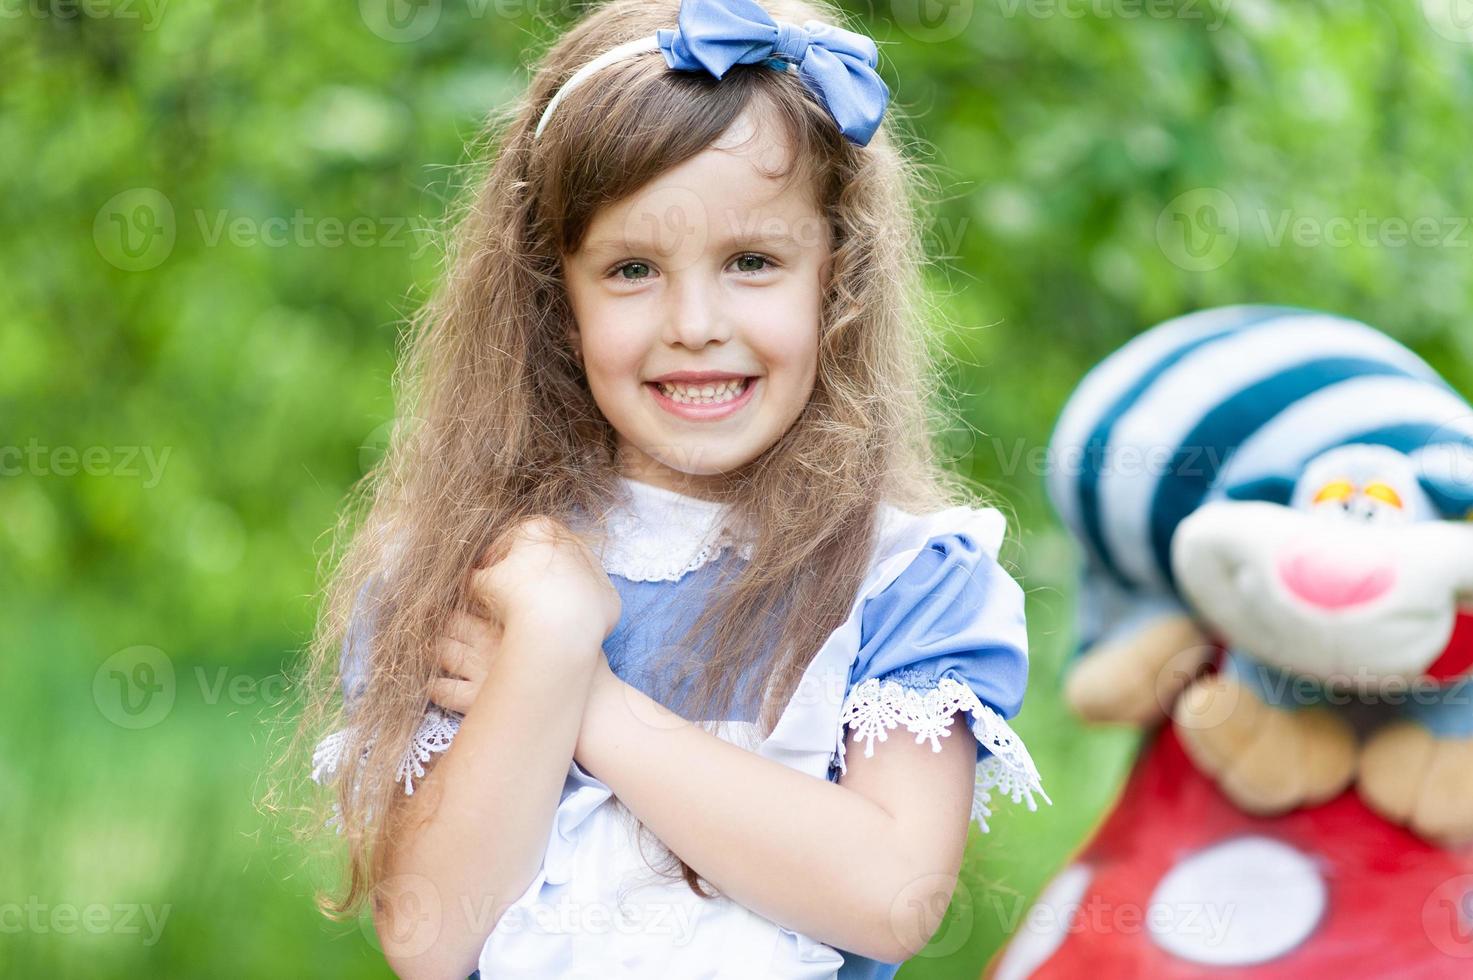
{"x": 1289, "y": 485}
{"x": 1233, "y": 403}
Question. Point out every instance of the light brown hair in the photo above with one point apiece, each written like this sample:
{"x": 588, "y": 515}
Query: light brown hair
{"x": 496, "y": 422}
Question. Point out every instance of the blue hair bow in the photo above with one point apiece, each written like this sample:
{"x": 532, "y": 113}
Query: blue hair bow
{"x": 836, "y": 65}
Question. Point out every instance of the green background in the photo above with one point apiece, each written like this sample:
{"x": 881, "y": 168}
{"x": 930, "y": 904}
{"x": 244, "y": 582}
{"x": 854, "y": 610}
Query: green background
{"x": 190, "y": 388}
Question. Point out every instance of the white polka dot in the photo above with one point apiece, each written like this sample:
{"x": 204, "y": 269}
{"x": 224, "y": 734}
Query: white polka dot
{"x": 1243, "y": 901}
{"x": 1046, "y": 926}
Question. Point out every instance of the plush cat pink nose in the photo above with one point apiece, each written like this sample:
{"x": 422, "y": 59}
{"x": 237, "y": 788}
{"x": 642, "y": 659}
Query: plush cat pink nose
{"x": 1333, "y": 581}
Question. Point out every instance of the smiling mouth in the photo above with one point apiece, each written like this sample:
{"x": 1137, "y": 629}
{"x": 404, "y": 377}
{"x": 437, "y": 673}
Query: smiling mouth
{"x": 704, "y": 402}
{"x": 709, "y": 393}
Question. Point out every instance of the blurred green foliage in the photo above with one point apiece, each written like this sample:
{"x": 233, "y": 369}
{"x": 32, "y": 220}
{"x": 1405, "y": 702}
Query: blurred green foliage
{"x": 215, "y": 216}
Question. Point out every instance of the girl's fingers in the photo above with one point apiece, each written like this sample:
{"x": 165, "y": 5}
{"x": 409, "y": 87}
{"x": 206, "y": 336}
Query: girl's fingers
{"x": 453, "y": 693}
{"x": 470, "y": 630}
{"x": 457, "y": 659}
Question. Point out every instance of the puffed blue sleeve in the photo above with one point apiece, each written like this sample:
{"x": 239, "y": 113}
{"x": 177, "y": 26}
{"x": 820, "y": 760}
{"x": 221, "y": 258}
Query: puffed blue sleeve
{"x": 436, "y": 730}
{"x": 947, "y": 636}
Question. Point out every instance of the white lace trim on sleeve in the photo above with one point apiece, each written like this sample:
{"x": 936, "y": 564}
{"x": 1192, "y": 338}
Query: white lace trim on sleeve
{"x": 434, "y": 734}
{"x": 877, "y": 704}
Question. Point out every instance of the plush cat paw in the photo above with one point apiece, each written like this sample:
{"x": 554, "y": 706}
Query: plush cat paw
{"x": 1413, "y": 778}
{"x": 1135, "y": 680}
{"x": 1265, "y": 759}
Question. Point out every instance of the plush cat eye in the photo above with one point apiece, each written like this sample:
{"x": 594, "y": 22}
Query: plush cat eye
{"x": 1336, "y": 490}
{"x": 1385, "y": 494}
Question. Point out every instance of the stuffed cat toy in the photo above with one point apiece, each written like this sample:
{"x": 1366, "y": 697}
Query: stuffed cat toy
{"x": 1292, "y": 487}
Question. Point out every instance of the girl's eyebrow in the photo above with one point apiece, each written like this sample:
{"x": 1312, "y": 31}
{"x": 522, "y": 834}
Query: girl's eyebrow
{"x": 770, "y": 237}
{"x": 673, "y": 237}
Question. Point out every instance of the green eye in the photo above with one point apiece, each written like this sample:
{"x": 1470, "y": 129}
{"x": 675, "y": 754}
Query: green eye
{"x": 640, "y": 271}
{"x": 762, "y": 260}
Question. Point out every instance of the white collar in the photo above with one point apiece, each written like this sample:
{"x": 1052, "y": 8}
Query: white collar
{"x": 659, "y": 535}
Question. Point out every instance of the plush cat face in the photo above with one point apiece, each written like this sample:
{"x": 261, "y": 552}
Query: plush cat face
{"x": 1359, "y": 579}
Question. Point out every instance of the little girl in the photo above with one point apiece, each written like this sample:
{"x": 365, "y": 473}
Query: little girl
{"x": 662, "y": 530}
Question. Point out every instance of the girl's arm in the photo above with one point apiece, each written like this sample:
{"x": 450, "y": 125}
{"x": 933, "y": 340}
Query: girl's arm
{"x": 471, "y": 838}
{"x": 867, "y": 864}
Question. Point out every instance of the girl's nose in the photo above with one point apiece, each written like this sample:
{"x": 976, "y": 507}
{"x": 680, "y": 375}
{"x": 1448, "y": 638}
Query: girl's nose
{"x": 694, "y": 314}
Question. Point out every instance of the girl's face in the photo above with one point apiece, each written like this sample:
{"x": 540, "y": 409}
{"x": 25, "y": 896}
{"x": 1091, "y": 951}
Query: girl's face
{"x": 697, "y": 301}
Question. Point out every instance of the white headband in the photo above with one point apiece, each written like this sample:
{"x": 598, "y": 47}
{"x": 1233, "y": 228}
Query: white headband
{"x": 629, "y": 49}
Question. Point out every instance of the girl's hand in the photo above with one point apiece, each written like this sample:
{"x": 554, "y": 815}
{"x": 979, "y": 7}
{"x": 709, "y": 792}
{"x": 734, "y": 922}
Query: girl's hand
{"x": 540, "y": 574}
{"x": 464, "y": 654}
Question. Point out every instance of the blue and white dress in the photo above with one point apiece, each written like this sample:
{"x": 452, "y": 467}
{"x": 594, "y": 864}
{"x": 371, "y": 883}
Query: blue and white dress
{"x": 937, "y": 628}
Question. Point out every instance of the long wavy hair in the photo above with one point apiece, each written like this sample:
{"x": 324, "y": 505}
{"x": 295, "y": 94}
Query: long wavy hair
{"x": 496, "y": 423}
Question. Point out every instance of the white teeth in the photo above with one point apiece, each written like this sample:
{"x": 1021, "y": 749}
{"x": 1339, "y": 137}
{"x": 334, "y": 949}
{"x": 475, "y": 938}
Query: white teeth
{"x": 706, "y": 394}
